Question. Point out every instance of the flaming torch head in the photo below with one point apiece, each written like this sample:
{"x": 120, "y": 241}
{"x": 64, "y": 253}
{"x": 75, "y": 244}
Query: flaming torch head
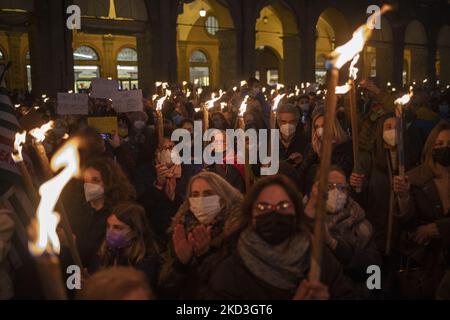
{"x": 18, "y": 143}
{"x": 276, "y": 101}
{"x": 341, "y": 55}
{"x": 343, "y": 89}
{"x": 47, "y": 241}
{"x": 243, "y": 106}
{"x": 39, "y": 133}
{"x": 404, "y": 100}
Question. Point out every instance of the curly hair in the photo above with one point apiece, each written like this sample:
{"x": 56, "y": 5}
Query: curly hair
{"x": 116, "y": 184}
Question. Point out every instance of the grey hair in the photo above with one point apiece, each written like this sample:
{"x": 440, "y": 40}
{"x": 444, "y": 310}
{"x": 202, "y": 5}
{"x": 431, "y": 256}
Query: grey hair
{"x": 288, "y": 108}
{"x": 228, "y": 194}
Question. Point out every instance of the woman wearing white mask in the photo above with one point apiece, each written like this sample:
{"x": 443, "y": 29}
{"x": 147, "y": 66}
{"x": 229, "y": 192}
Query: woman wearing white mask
{"x": 382, "y": 193}
{"x": 348, "y": 233}
{"x": 342, "y": 150}
{"x": 105, "y": 185}
{"x": 164, "y": 187}
{"x": 210, "y": 215}
{"x": 292, "y": 137}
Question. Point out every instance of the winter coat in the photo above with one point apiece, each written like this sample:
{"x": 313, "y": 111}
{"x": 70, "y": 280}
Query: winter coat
{"x": 178, "y": 281}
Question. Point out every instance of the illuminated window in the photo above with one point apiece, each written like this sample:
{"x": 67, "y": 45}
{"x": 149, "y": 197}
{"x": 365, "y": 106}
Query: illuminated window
{"x": 85, "y": 53}
{"x": 127, "y": 54}
{"x": 212, "y": 25}
{"x": 198, "y": 57}
{"x": 127, "y": 69}
{"x": 272, "y": 77}
{"x": 199, "y": 68}
{"x": 85, "y": 68}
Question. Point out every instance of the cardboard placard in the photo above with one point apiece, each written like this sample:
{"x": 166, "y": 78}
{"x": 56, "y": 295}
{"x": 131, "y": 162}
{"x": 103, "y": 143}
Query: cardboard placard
{"x": 72, "y": 103}
{"x": 128, "y": 101}
{"x": 103, "y": 124}
{"x": 103, "y": 88}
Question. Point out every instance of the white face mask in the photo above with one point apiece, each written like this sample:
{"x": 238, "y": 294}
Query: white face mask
{"x": 287, "y": 129}
{"x": 336, "y": 200}
{"x": 205, "y": 209}
{"x": 389, "y": 136}
{"x": 319, "y": 132}
{"x": 93, "y": 191}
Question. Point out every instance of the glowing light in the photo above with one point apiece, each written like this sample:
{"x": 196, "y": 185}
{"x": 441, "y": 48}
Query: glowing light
{"x": 342, "y": 89}
{"x": 46, "y": 219}
{"x": 243, "y": 106}
{"x": 39, "y": 133}
{"x": 276, "y": 101}
{"x": 18, "y": 144}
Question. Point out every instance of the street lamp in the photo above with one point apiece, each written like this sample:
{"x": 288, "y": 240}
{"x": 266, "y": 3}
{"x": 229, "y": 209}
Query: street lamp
{"x": 202, "y": 12}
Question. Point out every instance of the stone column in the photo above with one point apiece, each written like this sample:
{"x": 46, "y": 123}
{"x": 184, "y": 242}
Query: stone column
{"x": 398, "y": 48}
{"x": 307, "y": 47}
{"x": 50, "y": 48}
{"x": 183, "y": 62}
{"x": 146, "y": 72}
{"x": 384, "y": 56}
{"x": 227, "y": 58}
{"x": 445, "y": 65}
{"x": 109, "y": 59}
{"x": 419, "y": 56}
{"x": 291, "y": 49}
{"x": 17, "y": 74}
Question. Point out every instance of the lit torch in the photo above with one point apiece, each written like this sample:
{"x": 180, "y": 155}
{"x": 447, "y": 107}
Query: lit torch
{"x": 335, "y": 61}
{"x": 46, "y": 245}
{"x": 18, "y": 160}
{"x": 39, "y": 136}
{"x": 276, "y": 102}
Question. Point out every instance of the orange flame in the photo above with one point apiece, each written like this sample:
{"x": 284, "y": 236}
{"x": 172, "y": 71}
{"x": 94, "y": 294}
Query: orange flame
{"x": 343, "y": 89}
{"x": 46, "y": 219}
{"x": 18, "y": 143}
{"x": 353, "y": 71}
{"x": 243, "y": 106}
{"x": 341, "y": 55}
{"x": 276, "y": 101}
{"x": 39, "y": 133}
{"x": 404, "y": 100}
{"x": 210, "y": 103}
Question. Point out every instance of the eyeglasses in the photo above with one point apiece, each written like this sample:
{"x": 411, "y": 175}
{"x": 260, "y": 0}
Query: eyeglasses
{"x": 340, "y": 186}
{"x": 283, "y": 207}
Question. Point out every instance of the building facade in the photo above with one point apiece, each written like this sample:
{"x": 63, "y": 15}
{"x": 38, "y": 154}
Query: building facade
{"x": 215, "y": 42}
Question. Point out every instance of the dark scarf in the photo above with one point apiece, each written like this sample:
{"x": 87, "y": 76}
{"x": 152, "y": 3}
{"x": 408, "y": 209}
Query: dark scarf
{"x": 282, "y": 266}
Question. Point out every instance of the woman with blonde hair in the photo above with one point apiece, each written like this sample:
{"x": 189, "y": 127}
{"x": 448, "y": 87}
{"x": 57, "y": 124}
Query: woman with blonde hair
{"x": 201, "y": 230}
{"x": 425, "y": 213}
{"x": 129, "y": 242}
{"x": 342, "y": 150}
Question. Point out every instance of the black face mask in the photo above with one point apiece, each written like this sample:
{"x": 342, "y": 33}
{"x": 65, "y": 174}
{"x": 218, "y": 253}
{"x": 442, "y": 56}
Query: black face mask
{"x": 274, "y": 228}
{"x": 442, "y": 156}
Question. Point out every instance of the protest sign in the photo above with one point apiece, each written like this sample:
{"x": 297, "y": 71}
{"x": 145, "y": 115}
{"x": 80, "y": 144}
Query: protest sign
{"x": 72, "y": 103}
{"x": 127, "y": 101}
{"x": 103, "y": 124}
{"x": 103, "y": 88}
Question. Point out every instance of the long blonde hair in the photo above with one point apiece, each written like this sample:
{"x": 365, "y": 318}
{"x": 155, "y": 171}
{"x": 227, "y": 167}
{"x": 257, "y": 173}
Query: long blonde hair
{"x": 338, "y": 132}
{"x": 427, "y": 153}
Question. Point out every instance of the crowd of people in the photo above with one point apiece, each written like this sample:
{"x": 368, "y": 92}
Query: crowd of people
{"x": 147, "y": 228}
